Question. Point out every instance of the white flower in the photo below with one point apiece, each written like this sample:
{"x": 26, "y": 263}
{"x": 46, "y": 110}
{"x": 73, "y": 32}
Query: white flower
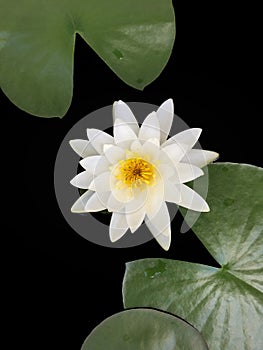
{"x": 134, "y": 173}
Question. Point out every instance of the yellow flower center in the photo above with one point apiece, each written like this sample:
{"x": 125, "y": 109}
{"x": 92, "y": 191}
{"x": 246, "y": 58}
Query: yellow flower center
{"x": 134, "y": 172}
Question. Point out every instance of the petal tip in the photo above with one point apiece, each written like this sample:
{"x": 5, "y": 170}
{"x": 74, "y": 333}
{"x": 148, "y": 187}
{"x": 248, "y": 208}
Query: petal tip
{"x": 120, "y": 102}
{"x": 113, "y": 238}
{"x": 216, "y": 156}
{"x": 117, "y": 103}
{"x": 75, "y": 210}
{"x": 169, "y": 101}
{"x": 165, "y": 246}
{"x": 205, "y": 208}
{"x": 168, "y": 105}
{"x": 198, "y": 132}
{"x": 74, "y": 182}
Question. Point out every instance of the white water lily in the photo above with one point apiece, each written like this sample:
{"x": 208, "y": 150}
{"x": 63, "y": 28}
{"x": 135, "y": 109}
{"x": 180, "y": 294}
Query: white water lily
{"x": 135, "y": 172}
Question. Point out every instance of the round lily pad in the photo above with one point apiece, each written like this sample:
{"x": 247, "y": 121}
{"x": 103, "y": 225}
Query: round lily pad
{"x": 144, "y": 329}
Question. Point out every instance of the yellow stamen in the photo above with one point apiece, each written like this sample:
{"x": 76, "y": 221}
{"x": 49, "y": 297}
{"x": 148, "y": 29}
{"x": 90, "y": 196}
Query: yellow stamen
{"x": 135, "y": 172}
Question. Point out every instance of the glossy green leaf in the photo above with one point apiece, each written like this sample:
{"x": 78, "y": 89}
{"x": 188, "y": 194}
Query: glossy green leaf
{"x": 144, "y": 329}
{"x": 37, "y": 38}
{"x": 225, "y": 304}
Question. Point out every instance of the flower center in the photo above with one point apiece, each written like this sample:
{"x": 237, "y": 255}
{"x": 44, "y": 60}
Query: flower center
{"x": 136, "y": 172}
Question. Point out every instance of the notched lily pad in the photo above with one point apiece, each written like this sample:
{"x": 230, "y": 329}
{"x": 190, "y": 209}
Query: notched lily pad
{"x": 144, "y": 329}
{"x": 225, "y": 304}
{"x": 134, "y": 38}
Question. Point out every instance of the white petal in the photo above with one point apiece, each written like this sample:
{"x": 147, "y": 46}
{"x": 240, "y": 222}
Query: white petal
{"x": 122, "y": 111}
{"x": 187, "y": 137}
{"x": 191, "y": 199}
{"x": 83, "y": 148}
{"x": 115, "y": 154}
{"x": 161, "y": 220}
{"x": 185, "y": 173}
{"x": 171, "y": 192}
{"x": 95, "y": 164}
{"x": 98, "y": 138}
{"x": 118, "y": 226}
{"x": 79, "y": 205}
{"x": 101, "y": 183}
{"x": 199, "y": 157}
{"x": 163, "y": 240}
{"x": 138, "y": 201}
{"x": 122, "y": 132}
{"x": 106, "y": 147}
{"x": 90, "y": 163}
{"x": 114, "y": 205}
{"x": 155, "y": 141}
{"x": 122, "y": 194}
{"x": 82, "y": 180}
{"x": 97, "y": 202}
{"x": 135, "y": 219}
{"x": 150, "y": 128}
{"x": 136, "y": 147}
{"x": 166, "y": 171}
{"x": 150, "y": 150}
{"x": 154, "y": 199}
{"x": 165, "y": 115}
{"x": 160, "y": 226}
{"x": 174, "y": 151}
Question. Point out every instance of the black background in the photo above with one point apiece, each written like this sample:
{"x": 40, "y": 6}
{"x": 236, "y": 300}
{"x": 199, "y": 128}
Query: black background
{"x": 60, "y": 286}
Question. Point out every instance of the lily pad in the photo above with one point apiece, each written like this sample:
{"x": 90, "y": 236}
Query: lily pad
{"x": 134, "y": 38}
{"x": 144, "y": 329}
{"x": 225, "y": 304}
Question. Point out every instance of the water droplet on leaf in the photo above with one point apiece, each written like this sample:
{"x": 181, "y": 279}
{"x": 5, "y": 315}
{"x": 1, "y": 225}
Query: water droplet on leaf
{"x": 117, "y": 53}
{"x": 228, "y": 202}
{"x": 156, "y": 270}
{"x": 126, "y": 337}
{"x": 139, "y": 81}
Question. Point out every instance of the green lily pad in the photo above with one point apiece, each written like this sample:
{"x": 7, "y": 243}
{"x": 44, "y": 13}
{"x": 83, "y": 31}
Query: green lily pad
{"x": 134, "y": 38}
{"x": 144, "y": 329}
{"x": 225, "y": 304}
